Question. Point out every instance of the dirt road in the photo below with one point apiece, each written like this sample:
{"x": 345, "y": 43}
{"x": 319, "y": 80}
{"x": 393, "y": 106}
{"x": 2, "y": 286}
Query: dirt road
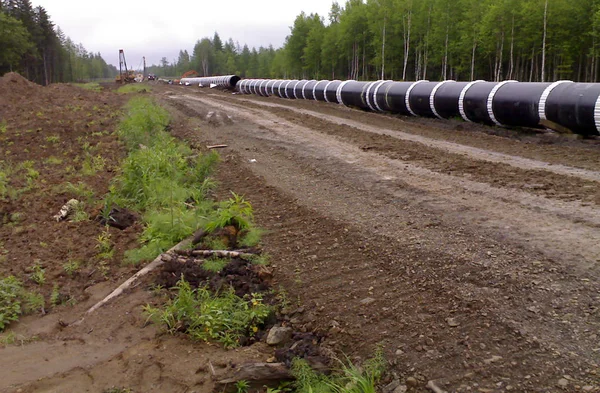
{"x": 471, "y": 253}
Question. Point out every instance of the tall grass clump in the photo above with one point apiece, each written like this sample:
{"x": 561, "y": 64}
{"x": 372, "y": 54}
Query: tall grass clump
{"x": 223, "y": 317}
{"x": 160, "y": 178}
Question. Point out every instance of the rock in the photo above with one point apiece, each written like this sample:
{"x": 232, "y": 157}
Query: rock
{"x": 493, "y": 359}
{"x": 279, "y": 335}
{"x": 257, "y": 375}
{"x": 563, "y": 382}
{"x": 401, "y": 389}
{"x": 367, "y": 301}
{"x": 399, "y": 352}
{"x": 389, "y": 388}
{"x": 452, "y": 322}
{"x": 588, "y": 388}
{"x": 411, "y": 382}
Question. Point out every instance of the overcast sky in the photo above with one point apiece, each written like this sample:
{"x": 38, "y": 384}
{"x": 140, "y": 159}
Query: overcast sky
{"x": 156, "y": 29}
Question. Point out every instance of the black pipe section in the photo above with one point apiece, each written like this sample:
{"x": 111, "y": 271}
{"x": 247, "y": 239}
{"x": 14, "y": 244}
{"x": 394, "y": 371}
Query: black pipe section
{"x": 575, "y": 106}
{"x": 225, "y": 81}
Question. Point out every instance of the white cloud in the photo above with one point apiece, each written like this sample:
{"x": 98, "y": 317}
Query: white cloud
{"x": 156, "y": 29}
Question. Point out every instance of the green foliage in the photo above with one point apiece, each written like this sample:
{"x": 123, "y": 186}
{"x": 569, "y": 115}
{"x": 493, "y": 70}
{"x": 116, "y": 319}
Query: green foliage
{"x": 53, "y": 139}
{"x": 4, "y": 179}
{"x": 349, "y": 378}
{"x": 3, "y": 127}
{"x": 214, "y": 264}
{"x": 118, "y": 390}
{"x": 234, "y": 211}
{"x": 79, "y": 214}
{"x": 89, "y": 86}
{"x": 134, "y": 88}
{"x": 81, "y": 190}
{"x": 104, "y": 245}
{"x": 38, "y": 274}
{"x": 54, "y": 160}
{"x": 160, "y": 178}
{"x": 223, "y": 318}
{"x": 15, "y": 41}
{"x": 71, "y": 267}
{"x": 92, "y": 164}
{"x": 252, "y": 237}
{"x": 10, "y": 301}
{"x": 242, "y": 386}
{"x": 55, "y": 295}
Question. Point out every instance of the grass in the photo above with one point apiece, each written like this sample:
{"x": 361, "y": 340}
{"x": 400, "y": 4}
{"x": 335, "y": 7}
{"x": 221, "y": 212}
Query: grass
{"x": 134, "y": 88}
{"x": 92, "y": 164}
{"x": 105, "y": 245}
{"x": 89, "y": 86}
{"x": 71, "y": 267}
{"x": 224, "y": 318}
{"x": 160, "y": 178}
{"x": 214, "y": 264}
{"x": 349, "y": 377}
{"x": 15, "y": 300}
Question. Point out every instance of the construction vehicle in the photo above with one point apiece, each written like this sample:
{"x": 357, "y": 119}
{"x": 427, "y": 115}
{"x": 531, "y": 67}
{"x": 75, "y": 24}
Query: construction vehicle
{"x": 187, "y": 74}
{"x": 125, "y": 75}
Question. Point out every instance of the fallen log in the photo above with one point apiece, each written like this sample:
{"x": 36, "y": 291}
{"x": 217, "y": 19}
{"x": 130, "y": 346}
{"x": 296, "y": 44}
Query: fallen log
{"x": 158, "y": 261}
{"x": 218, "y": 253}
{"x": 216, "y": 146}
{"x": 257, "y": 375}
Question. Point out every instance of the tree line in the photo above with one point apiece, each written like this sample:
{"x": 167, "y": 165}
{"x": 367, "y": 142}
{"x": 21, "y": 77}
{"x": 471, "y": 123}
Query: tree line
{"x": 527, "y": 40}
{"x": 32, "y": 45}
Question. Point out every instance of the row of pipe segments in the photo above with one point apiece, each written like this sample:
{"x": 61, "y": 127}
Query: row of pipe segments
{"x": 574, "y": 106}
{"x": 225, "y": 81}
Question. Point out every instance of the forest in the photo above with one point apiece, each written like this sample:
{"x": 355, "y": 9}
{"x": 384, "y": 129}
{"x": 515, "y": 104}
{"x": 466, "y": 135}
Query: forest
{"x": 526, "y": 40}
{"x": 32, "y": 45}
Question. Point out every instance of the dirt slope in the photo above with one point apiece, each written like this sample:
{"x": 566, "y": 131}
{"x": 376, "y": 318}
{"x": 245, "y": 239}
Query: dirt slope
{"x": 471, "y": 253}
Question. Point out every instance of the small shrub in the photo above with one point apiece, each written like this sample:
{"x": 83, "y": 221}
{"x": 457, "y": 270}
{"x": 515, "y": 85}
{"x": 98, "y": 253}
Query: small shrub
{"x": 235, "y": 211}
{"x": 224, "y": 318}
{"x": 252, "y": 237}
{"x": 3, "y": 127}
{"x": 10, "y": 301}
{"x": 79, "y": 214}
{"x": 55, "y": 296}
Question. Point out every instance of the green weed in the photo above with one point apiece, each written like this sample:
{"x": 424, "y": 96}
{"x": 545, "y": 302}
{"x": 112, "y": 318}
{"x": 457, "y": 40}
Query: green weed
{"x": 93, "y": 86}
{"x": 54, "y": 160}
{"x": 242, "y": 386}
{"x": 349, "y": 378}
{"x": 55, "y": 296}
{"x": 79, "y": 214}
{"x": 3, "y": 127}
{"x": 118, "y": 390}
{"x": 92, "y": 164}
{"x": 38, "y": 274}
{"x": 252, "y": 237}
{"x": 214, "y": 264}
{"x": 105, "y": 246}
{"x": 10, "y": 301}
{"x": 224, "y": 318}
{"x": 71, "y": 267}
{"x": 53, "y": 139}
{"x": 81, "y": 190}
{"x": 235, "y": 211}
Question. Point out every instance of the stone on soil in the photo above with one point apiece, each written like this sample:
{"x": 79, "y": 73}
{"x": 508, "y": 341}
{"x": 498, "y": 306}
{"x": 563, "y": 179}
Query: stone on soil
{"x": 279, "y": 335}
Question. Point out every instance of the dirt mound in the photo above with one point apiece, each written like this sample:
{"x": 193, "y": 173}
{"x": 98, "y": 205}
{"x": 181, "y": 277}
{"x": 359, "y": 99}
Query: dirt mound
{"x": 241, "y": 275}
{"x": 14, "y": 87}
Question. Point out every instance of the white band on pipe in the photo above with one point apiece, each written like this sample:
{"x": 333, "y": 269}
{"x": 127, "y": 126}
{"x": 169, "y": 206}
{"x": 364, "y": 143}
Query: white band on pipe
{"x": 490, "y": 101}
{"x": 375, "y": 95}
{"x": 325, "y": 91}
{"x": 294, "y": 88}
{"x": 303, "y": 93}
{"x": 597, "y": 114}
{"x": 260, "y": 87}
{"x": 255, "y": 85}
{"x": 432, "y": 97}
{"x": 315, "y": 89}
{"x": 368, "y": 95}
{"x": 407, "y": 96}
{"x": 338, "y": 93}
{"x": 271, "y": 81}
{"x": 285, "y": 90}
{"x": 544, "y": 98}
{"x": 279, "y": 88}
{"x": 243, "y": 87}
{"x": 461, "y": 99}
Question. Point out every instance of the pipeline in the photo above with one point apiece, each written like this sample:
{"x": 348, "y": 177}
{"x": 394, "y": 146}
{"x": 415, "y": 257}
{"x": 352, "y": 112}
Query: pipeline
{"x": 562, "y": 104}
{"x": 226, "y": 81}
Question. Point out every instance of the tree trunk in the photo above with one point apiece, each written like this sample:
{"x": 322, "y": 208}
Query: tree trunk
{"x": 512, "y": 47}
{"x": 383, "y": 50}
{"x": 543, "y": 78}
{"x": 407, "y": 43}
